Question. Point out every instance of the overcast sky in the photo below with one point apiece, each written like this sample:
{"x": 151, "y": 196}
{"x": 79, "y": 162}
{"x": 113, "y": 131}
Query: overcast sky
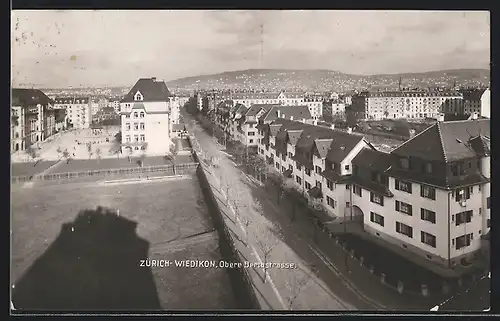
{"x": 91, "y": 48}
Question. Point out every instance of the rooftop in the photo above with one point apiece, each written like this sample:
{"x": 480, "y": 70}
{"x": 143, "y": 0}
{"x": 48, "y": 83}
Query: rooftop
{"x": 151, "y": 90}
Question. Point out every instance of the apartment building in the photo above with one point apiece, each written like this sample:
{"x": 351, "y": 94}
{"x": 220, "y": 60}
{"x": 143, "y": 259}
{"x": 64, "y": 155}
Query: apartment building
{"x": 39, "y": 119}
{"x": 317, "y": 160}
{"x": 175, "y": 109}
{"x": 333, "y": 109}
{"x": 60, "y": 119}
{"x": 94, "y": 106}
{"x": 431, "y": 195}
{"x": 114, "y": 102}
{"x": 282, "y": 98}
{"x": 78, "y": 110}
{"x": 145, "y": 118}
{"x": 315, "y": 105}
{"x": 477, "y": 101}
{"x": 405, "y": 104}
{"x": 17, "y": 126}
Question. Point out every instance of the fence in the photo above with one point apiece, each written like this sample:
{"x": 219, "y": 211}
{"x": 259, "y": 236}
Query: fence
{"x": 171, "y": 168}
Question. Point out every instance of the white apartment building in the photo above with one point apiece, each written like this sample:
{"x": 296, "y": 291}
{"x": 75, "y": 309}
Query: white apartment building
{"x": 17, "y": 126}
{"x": 315, "y": 105}
{"x": 429, "y": 197}
{"x": 175, "y": 109}
{"x": 406, "y": 104}
{"x": 477, "y": 101}
{"x": 94, "y": 106}
{"x": 269, "y": 98}
{"x": 78, "y": 110}
{"x": 145, "y": 118}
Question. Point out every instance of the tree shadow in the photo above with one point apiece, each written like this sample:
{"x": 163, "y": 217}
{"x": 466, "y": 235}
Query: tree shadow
{"x": 94, "y": 264}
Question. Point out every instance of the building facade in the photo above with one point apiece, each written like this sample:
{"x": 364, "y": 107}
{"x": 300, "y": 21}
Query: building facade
{"x": 315, "y": 105}
{"x": 32, "y": 114}
{"x": 405, "y": 104}
{"x": 477, "y": 101}
{"x": 78, "y": 110}
{"x": 145, "y": 118}
{"x": 282, "y": 98}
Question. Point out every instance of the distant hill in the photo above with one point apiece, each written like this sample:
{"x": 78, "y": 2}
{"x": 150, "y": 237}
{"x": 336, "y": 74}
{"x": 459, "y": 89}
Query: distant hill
{"x": 326, "y": 80}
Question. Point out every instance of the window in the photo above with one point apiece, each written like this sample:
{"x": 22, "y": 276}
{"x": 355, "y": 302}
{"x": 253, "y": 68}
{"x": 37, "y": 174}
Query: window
{"x": 143, "y": 138}
{"x": 318, "y": 184}
{"x": 298, "y": 166}
{"x": 127, "y": 138}
{"x": 428, "y": 239}
{"x": 403, "y": 207}
{"x": 463, "y": 217}
{"x": 283, "y": 169}
{"x": 141, "y": 114}
{"x": 357, "y": 190}
{"x": 330, "y": 201}
{"x": 377, "y": 199}
{"x": 488, "y": 223}
{"x": 428, "y": 192}
{"x": 404, "y": 163}
{"x": 427, "y": 215}
{"x": 141, "y": 126}
{"x": 376, "y": 218}
{"x": 404, "y": 229}
{"x": 290, "y": 167}
{"x": 463, "y": 194}
{"x": 136, "y": 126}
{"x": 346, "y": 167}
{"x": 251, "y": 133}
{"x": 127, "y": 116}
{"x": 251, "y": 141}
{"x": 298, "y": 179}
{"x": 307, "y": 185}
{"x": 329, "y": 184}
{"x": 277, "y": 165}
{"x": 290, "y": 155}
{"x": 127, "y": 126}
{"x": 136, "y": 138}
{"x": 463, "y": 241}
{"x": 403, "y": 186}
{"x": 308, "y": 172}
{"x": 488, "y": 203}
{"x": 135, "y": 114}
{"x": 318, "y": 169}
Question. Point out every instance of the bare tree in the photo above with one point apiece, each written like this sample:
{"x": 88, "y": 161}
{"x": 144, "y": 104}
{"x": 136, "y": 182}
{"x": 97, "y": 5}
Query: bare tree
{"x": 33, "y": 152}
{"x": 266, "y": 240}
{"x": 89, "y": 150}
{"x": 98, "y": 154}
{"x": 66, "y": 154}
{"x": 130, "y": 152}
{"x": 296, "y": 282}
{"x": 59, "y": 152}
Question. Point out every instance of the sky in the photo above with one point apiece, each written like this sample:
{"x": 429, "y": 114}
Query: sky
{"x": 62, "y": 48}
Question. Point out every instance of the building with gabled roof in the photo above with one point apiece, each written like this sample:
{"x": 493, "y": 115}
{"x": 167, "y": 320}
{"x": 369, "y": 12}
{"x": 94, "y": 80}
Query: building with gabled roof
{"x": 146, "y": 120}
{"x": 430, "y": 195}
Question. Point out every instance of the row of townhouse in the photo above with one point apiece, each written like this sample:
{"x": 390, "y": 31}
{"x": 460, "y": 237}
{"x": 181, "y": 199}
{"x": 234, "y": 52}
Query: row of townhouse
{"x": 78, "y": 110}
{"x": 240, "y": 122}
{"x": 33, "y": 118}
{"x": 429, "y": 196}
{"x": 148, "y": 113}
{"x": 417, "y": 104}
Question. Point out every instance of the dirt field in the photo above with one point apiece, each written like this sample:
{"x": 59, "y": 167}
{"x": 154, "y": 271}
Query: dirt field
{"x": 166, "y": 213}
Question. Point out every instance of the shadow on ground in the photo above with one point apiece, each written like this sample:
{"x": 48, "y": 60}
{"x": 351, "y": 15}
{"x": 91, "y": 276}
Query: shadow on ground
{"x": 94, "y": 264}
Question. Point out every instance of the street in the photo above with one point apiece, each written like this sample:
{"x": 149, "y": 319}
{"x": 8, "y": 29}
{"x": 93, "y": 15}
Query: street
{"x": 324, "y": 290}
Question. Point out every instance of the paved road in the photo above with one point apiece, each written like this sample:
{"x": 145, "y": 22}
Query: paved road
{"x": 323, "y": 288}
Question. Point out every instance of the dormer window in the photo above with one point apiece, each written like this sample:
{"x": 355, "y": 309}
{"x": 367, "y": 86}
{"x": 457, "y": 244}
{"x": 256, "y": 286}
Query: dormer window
{"x": 138, "y": 96}
{"x": 404, "y": 163}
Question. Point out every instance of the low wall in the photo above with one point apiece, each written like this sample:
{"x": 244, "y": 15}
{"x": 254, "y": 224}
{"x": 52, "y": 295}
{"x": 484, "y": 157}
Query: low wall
{"x": 240, "y": 280}
{"x": 178, "y": 169}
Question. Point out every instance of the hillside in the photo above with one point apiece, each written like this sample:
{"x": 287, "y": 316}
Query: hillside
{"x": 326, "y": 80}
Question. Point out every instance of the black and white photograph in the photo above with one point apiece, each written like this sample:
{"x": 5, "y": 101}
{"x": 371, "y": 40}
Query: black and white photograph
{"x": 250, "y": 160}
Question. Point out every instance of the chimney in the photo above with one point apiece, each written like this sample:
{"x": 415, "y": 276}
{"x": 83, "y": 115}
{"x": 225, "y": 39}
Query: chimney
{"x": 440, "y": 117}
{"x": 315, "y": 122}
{"x": 332, "y": 126}
{"x": 349, "y": 130}
{"x": 278, "y": 113}
{"x": 304, "y": 120}
{"x": 291, "y": 117}
{"x": 153, "y": 78}
{"x": 474, "y": 115}
{"x": 282, "y": 115}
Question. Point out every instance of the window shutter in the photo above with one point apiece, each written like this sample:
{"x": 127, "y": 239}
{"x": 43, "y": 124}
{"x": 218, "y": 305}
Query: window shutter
{"x": 422, "y": 190}
{"x": 397, "y": 206}
{"x": 422, "y": 213}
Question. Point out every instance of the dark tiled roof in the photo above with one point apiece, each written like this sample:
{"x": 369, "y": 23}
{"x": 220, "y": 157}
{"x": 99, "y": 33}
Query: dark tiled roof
{"x": 342, "y": 145}
{"x": 307, "y": 163}
{"x": 373, "y": 159}
{"x": 25, "y": 97}
{"x": 150, "y": 89}
{"x": 274, "y": 129}
{"x": 445, "y": 141}
{"x": 297, "y": 112}
{"x": 481, "y": 145}
{"x": 331, "y": 175}
{"x": 473, "y": 94}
